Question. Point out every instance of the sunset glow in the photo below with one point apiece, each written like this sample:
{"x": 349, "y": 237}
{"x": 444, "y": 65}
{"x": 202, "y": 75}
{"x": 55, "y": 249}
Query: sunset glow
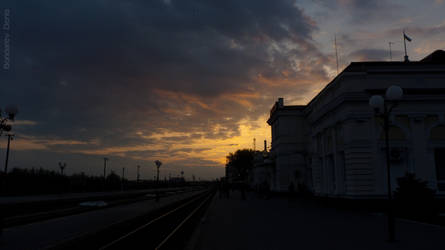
{"x": 184, "y": 82}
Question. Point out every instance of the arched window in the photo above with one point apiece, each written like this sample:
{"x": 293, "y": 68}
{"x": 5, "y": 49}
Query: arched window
{"x": 395, "y": 133}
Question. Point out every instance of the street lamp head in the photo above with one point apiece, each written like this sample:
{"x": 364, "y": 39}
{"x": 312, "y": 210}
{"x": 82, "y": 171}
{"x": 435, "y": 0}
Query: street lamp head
{"x": 158, "y": 163}
{"x": 6, "y": 127}
{"x": 12, "y": 111}
{"x": 376, "y": 102}
{"x": 394, "y": 93}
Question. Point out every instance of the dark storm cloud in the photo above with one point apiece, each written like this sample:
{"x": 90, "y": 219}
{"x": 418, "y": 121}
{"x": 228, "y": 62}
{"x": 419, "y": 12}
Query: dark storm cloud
{"x": 373, "y": 55}
{"x": 422, "y": 32}
{"x": 365, "y": 11}
{"x": 141, "y": 154}
{"x": 102, "y": 71}
{"x": 346, "y": 40}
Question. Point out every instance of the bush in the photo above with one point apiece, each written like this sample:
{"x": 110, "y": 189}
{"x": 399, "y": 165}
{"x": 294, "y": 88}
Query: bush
{"x": 413, "y": 198}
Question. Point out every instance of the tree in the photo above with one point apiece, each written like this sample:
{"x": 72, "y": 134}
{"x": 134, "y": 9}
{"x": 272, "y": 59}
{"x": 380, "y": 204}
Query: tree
{"x": 241, "y": 161}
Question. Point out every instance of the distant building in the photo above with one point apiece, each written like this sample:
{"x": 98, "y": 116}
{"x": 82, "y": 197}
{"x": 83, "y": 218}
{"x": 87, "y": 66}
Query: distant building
{"x": 289, "y": 147}
{"x": 334, "y": 145}
{"x": 263, "y": 170}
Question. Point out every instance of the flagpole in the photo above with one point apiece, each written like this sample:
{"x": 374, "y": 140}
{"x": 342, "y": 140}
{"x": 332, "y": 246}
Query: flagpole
{"x": 336, "y": 53}
{"x": 404, "y": 43}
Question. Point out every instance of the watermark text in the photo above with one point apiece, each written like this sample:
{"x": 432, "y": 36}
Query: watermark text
{"x": 6, "y": 30}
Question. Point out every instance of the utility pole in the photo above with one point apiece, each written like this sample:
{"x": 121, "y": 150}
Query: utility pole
{"x": 105, "y": 172}
{"x": 138, "y": 174}
{"x": 158, "y": 165}
{"x": 390, "y": 50}
{"x": 105, "y": 167}
{"x": 10, "y": 137}
{"x": 123, "y": 177}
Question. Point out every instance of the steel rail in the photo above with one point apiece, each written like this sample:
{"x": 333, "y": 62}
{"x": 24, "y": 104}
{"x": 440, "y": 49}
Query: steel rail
{"x": 183, "y": 222}
{"x": 75, "y": 209}
{"x": 147, "y": 224}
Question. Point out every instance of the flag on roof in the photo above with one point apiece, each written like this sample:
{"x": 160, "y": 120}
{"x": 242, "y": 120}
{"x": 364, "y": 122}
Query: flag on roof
{"x": 407, "y": 37}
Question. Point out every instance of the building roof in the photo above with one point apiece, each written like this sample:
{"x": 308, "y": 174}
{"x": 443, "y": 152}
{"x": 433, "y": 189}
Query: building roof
{"x": 431, "y": 63}
{"x": 437, "y": 56}
{"x": 277, "y": 107}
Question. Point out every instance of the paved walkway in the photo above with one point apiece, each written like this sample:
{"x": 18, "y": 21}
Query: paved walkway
{"x": 282, "y": 224}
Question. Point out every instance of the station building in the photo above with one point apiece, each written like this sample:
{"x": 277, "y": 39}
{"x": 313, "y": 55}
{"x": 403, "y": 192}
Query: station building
{"x": 334, "y": 145}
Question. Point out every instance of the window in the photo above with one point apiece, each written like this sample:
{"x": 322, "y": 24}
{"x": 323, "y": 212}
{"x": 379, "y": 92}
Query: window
{"x": 395, "y": 133}
{"x": 439, "y": 154}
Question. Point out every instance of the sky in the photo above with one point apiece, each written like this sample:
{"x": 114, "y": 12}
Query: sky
{"x": 184, "y": 82}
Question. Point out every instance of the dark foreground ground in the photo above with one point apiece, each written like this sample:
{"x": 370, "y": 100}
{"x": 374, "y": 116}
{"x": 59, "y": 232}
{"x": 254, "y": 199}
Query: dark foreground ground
{"x": 280, "y": 223}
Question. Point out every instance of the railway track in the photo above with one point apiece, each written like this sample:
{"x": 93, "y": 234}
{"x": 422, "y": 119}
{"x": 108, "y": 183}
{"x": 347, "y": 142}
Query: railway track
{"x": 167, "y": 228}
{"x": 77, "y": 208}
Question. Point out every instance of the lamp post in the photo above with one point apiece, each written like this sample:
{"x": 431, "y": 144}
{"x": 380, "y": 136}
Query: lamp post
{"x": 382, "y": 107}
{"x": 62, "y": 167}
{"x": 158, "y": 165}
{"x": 8, "y": 115}
{"x": 138, "y": 174}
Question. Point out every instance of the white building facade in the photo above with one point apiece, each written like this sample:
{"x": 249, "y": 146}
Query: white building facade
{"x": 334, "y": 146}
{"x": 263, "y": 171}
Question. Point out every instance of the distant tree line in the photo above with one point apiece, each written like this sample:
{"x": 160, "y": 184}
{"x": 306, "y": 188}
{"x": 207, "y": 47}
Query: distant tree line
{"x": 41, "y": 181}
{"x": 242, "y": 161}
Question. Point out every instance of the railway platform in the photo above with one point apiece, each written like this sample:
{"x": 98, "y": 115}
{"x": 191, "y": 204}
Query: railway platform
{"x": 280, "y": 223}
